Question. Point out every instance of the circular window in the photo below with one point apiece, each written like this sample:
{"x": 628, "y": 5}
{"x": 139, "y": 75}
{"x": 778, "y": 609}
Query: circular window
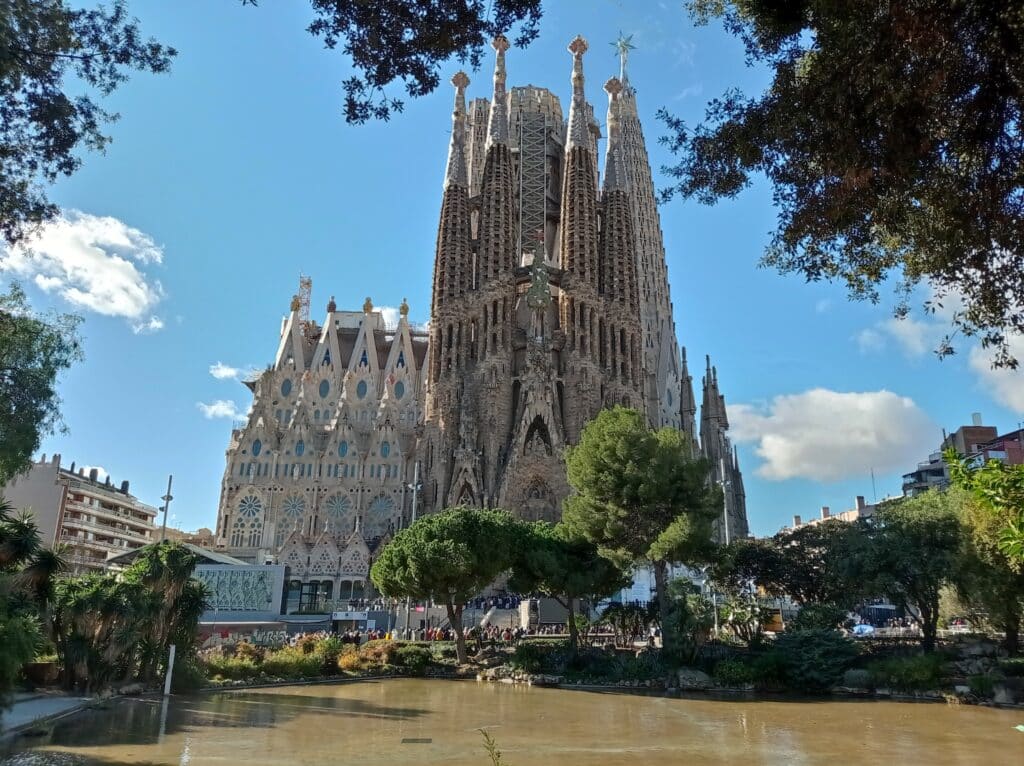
{"x": 361, "y": 389}
{"x": 325, "y": 388}
{"x": 257, "y": 447}
{"x": 286, "y": 387}
{"x": 385, "y": 449}
{"x": 399, "y": 390}
{"x": 300, "y": 447}
{"x": 250, "y": 506}
{"x": 294, "y": 507}
{"x": 343, "y": 449}
{"x": 338, "y": 507}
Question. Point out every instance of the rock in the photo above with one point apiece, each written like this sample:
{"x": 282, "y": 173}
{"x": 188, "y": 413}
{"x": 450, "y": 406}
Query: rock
{"x": 1006, "y": 694}
{"x": 980, "y": 649}
{"x": 691, "y": 678}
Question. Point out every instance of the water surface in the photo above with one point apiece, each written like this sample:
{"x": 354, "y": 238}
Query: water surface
{"x": 437, "y": 722}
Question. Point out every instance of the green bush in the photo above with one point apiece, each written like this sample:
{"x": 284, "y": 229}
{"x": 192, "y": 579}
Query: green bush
{"x": 814, "y": 660}
{"x": 982, "y": 685}
{"x": 234, "y": 668}
{"x": 292, "y": 662}
{"x": 733, "y": 673}
{"x": 379, "y": 653}
{"x": 817, "y": 617}
{"x": 189, "y": 675}
{"x": 769, "y": 671}
{"x": 415, "y": 659}
{"x": 918, "y": 673}
{"x": 330, "y": 649}
{"x": 641, "y": 667}
{"x": 1012, "y": 667}
{"x": 533, "y": 656}
{"x": 857, "y": 678}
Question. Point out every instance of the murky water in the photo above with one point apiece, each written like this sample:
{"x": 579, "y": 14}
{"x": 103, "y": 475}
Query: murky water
{"x": 438, "y": 722}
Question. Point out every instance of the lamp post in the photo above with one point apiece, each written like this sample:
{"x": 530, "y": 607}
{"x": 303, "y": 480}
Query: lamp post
{"x": 726, "y": 486}
{"x": 167, "y": 501}
{"x": 415, "y": 498}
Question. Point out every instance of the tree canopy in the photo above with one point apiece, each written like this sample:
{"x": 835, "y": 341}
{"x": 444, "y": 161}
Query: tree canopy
{"x": 407, "y": 42}
{"x": 998, "y": 488}
{"x": 891, "y": 136}
{"x": 54, "y": 60}
{"x": 640, "y": 495}
{"x": 908, "y": 552}
{"x": 34, "y": 350}
{"x": 552, "y": 561}
{"x": 450, "y": 557}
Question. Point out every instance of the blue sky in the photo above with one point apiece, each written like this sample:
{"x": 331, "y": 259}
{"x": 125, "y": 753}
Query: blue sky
{"x": 183, "y": 244}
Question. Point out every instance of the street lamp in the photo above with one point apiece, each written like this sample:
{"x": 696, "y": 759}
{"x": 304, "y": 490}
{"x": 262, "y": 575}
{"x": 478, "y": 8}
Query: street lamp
{"x": 415, "y": 498}
{"x": 167, "y": 501}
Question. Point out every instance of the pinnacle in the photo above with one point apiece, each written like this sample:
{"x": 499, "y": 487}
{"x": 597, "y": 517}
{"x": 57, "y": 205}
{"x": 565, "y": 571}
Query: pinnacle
{"x": 578, "y": 46}
{"x": 501, "y": 44}
{"x": 613, "y": 87}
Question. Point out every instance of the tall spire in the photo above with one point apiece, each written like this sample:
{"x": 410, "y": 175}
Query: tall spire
{"x": 614, "y": 173}
{"x": 624, "y": 45}
{"x": 578, "y": 133}
{"x": 687, "y": 402}
{"x": 497, "y": 128}
{"x": 456, "y": 172}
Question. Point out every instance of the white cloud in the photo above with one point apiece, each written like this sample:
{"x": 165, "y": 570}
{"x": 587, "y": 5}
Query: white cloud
{"x": 222, "y": 371}
{"x": 1004, "y": 385}
{"x": 101, "y": 472}
{"x": 830, "y": 435}
{"x": 870, "y": 339}
{"x": 390, "y": 315}
{"x": 95, "y": 263}
{"x": 823, "y": 305}
{"x": 916, "y": 338}
{"x": 221, "y": 408}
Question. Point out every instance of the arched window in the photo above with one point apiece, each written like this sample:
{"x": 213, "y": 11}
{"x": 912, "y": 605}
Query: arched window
{"x": 286, "y": 387}
{"x": 342, "y": 449}
{"x": 300, "y": 447}
{"x": 385, "y": 449}
{"x": 361, "y": 389}
{"x": 257, "y": 445}
{"x": 325, "y": 388}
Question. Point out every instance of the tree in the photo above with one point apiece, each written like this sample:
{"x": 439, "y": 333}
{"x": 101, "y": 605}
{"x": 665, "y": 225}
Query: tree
{"x": 53, "y": 59}
{"x": 26, "y": 576}
{"x": 550, "y": 560}
{"x": 747, "y": 561}
{"x": 986, "y": 578}
{"x": 110, "y": 627}
{"x": 998, "y": 489}
{"x": 407, "y": 41}
{"x": 34, "y": 350}
{"x": 450, "y": 557}
{"x": 908, "y": 552}
{"x": 890, "y": 134}
{"x": 640, "y": 496}
{"x": 811, "y": 571}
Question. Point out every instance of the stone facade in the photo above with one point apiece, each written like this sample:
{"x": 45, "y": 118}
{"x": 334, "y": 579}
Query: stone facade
{"x": 320, "y": 473}
{"x": 550, "y": 301}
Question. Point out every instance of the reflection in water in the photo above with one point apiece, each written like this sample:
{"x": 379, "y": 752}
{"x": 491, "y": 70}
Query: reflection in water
{"x": 437, "y": 722}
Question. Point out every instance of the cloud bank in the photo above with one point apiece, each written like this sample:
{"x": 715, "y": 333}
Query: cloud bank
{"x": 827, "y": 435}
{"x": 96, "y": 263}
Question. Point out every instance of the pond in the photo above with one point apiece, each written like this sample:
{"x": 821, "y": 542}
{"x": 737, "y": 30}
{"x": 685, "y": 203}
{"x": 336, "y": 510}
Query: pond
{"x": 438, "y": 722}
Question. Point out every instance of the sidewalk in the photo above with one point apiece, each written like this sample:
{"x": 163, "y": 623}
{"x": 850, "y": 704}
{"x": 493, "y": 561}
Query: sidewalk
{"x": 33, "y": 707}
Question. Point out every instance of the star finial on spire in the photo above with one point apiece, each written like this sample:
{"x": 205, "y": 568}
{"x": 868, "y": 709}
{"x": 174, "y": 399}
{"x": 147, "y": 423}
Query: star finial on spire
{"x": 623, "y": 46}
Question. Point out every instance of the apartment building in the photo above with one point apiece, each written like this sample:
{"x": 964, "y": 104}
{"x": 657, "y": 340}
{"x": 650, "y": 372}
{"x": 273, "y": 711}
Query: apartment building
{"x": 77, "y": 508}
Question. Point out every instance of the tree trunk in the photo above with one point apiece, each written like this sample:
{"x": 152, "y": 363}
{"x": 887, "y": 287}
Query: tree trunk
{"x": 455, "y": 618}
{"x": 661, "y": 588}
{"x": 929, "y": 627}
{"x": 574, "y": 635}
{"x": 1011, "y": 641}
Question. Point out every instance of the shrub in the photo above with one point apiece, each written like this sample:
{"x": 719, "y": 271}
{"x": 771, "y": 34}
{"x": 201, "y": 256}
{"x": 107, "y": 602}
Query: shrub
{"x": 814, "y": 660}
{"x": 234, "y": 668}
{"x": 641, "y": 667}
{"x": 920, "y": 672}
{"x": 350, "y": 662}
{"x": 857, "y": 678}
{"x": 414, "y": 658}
{"x": 379, "y": 652}
{"x": 769, "y": 671}
{"x": 733, "y": 673}
{"x": 532, "y": 657}
{"x": 292, "y": 662}
{"x": 817, "y": 617}
{"x": 188, "y": 675}
{"x": 330, "y": 649}
{"x": 982, "y": 685}
{"x": 246, "y": 651}
{"x": 1012, "y": 667}
{"x": 308, "y": 643}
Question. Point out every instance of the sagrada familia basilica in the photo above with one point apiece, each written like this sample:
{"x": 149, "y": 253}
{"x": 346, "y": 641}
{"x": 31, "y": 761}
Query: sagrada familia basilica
{"x": 550, "y": 302}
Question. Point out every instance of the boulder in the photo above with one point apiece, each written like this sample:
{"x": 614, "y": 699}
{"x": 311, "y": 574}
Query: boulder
{"x": 691, "y": 678}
